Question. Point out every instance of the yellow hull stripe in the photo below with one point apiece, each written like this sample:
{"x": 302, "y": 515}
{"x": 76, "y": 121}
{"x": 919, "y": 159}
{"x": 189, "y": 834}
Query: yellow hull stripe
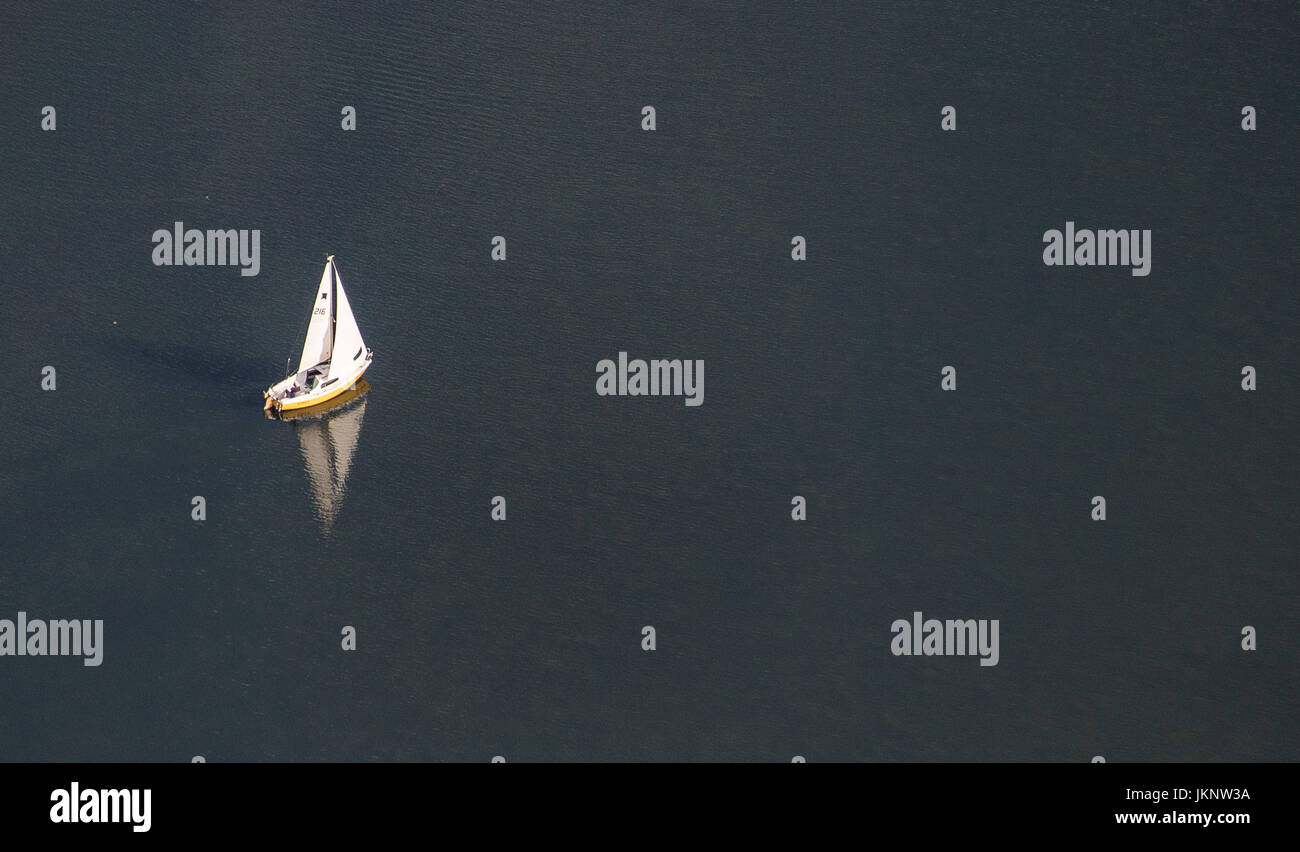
{"x": 290, "y": 406}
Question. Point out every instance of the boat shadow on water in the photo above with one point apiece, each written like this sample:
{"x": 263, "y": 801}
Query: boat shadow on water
{"x": 191, "y": 366}
{"x": 327, "y": 438}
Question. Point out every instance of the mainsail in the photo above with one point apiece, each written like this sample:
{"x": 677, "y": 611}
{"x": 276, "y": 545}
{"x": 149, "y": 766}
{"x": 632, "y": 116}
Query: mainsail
{"x": 320, "y": 334}
{"x": 349, "y": 348}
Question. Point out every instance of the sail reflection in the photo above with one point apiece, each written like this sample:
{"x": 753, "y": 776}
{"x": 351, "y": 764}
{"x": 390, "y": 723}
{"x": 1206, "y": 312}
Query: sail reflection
{"x": 328, "y": 438}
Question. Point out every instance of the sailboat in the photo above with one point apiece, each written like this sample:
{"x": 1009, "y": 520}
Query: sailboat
{"x": 333, "y": 357}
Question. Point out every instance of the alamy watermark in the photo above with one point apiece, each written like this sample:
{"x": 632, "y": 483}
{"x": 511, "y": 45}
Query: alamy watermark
{"x": 658, "y": 377}
{"x": 1100, "y": 248}
{"x": 192, "y": 247}
{"x": 90, "y": 805}
{"x": 951, "y": 638}
{"x": 59, "y": 638}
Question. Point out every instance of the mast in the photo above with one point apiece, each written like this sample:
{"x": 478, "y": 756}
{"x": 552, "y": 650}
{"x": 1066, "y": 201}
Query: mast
{"x": 334, "y": 307}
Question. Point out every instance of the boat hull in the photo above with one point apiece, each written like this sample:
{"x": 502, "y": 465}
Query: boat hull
{"x": 343, "y": 400}
{"x": 315, "y": 400}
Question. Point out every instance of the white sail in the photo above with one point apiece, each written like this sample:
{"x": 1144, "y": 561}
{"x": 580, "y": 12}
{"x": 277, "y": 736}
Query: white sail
{"x": 320, "y": 334}
{"x": 349, "y": 348}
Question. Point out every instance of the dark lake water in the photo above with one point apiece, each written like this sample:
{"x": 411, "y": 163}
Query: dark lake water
{"x": 478, "y": 638}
